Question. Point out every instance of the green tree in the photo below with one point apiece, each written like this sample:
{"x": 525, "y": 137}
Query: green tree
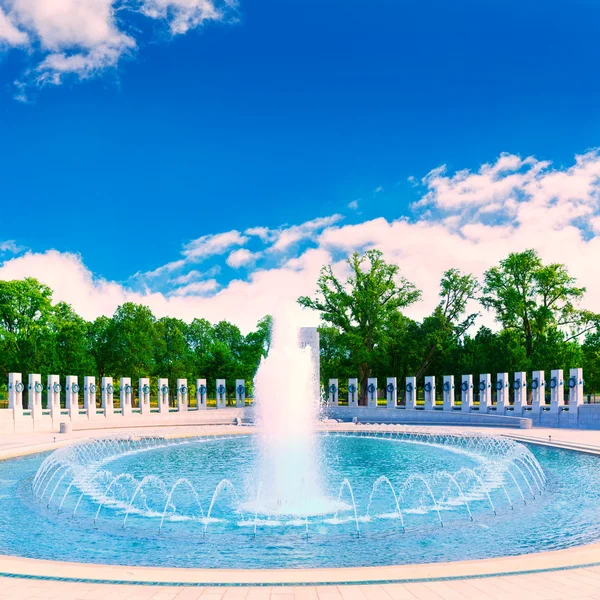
{"x": 361, "y": 307}
{"x": 99, "y": 343}
{"x": 532, "y": 299}
{"x": 131, "y": 339}
{"x": 25, "y": 315}
{"x": 71, "y": 342}
{"x": 448, "y": 322}
{"x": 172, "y": 356}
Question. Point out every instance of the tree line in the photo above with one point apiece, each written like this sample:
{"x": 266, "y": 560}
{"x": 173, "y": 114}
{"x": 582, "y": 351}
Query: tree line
{"x": 365, "y": 333}
{"x": 39, "y": 336}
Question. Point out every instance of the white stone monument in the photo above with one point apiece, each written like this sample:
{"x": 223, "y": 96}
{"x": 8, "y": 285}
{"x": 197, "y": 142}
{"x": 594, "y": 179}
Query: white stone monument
{"x": 391, "y": 392}
{"x": 429, "y": 389}
{"x": 221, "y": 389}
{"x": 557, "y": 391}
{"x": 240, "y": 393}
{"x": 485, "y": 392}
{"x": 309, "y": 336}
{"x": 372, "y": 392}
{"x": 201, "y": 394}
{"x": 410, "y": 391}
{"x": 163, "y": 395}
{"x": 107, "y": 389}
{"x": 466, "y": 393}
{"x": 502, "y": 400}
{"x": 333, "y": 393}
{"x": 15, "y": 394}
{"x": 126, "y": 395}
{"x": 54, "y": 390}
{"x": 519, "y": 392}
{"x": 89, "y": 396}
{"x": 34, "y": 395}
{"x": 448, "y": 387}
{"x": 538, "y": 387}
{"x": 575, "y": 389}
{"x": 182, "y": 395}
{"x": 144, "y": 395}
{"x": 353, "y": 392}
{"x": 72, "y": 396}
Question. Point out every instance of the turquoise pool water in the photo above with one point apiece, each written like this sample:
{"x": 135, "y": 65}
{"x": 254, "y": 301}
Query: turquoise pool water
{"x": 391, "y": 499}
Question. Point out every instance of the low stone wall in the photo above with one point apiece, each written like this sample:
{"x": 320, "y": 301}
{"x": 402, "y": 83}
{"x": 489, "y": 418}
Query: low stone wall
{"x": 366, "y": 414}
{"x": 586, "y": 417}
{"x": 45, "y": 423}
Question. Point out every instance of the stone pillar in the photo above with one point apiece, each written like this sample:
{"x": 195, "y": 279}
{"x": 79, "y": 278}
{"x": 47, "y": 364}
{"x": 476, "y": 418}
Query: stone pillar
{"x": 89, "y": 396}
{"x": 502, "y": 400}
{"x": 201, "y": 394}
{"x": 333, "y": 391}
{"x": 126, "y": 394}
{"x": 485, "y": 392}
{"x": 182, "y": 395}
{"x": 372, "y": 392}
{"x": 557, "y": 395}
{"x": 448, "y": 392}
{"x": 106, "y": 396}
{"x": 391, "y": 391}
{"x": 353, "y": 392}
{"x": 538, "y": 387}
{"x": 410, "y": 390}
{"x": 34, "y": 395}
{"x": 107, "y": 400}
{"x": 221, "y": 389}
{"x": 575, "y": 390}
{"x": 466, "y": 393}
{"x": 240, "y": 393}
{"x": 163, "y": 395}
{"x": 429, "y": 388}
{"x": 15, "y": 394}
{"x": 519, "y": 392}
{"x": 144, "y": 395}
{"x": 54, "y": 390}
{"x": 72, "y": 396}
{"x": 309, "y": 337}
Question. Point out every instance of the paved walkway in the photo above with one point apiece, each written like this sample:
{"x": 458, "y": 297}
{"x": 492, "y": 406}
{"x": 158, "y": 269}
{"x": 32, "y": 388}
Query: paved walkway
{"x": 583, "y": 583}
{"x": 579, "y": 583}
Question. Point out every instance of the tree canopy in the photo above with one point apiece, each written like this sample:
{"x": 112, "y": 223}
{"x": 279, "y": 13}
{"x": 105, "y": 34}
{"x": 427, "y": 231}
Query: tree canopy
{"x": 365, "y": 332}
{"x": 362, "y": 307}
{"x": 38, "y": 336}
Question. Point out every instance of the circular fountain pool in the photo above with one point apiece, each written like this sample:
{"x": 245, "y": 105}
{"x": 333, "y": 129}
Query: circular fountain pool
{"x": 385, "y": 497}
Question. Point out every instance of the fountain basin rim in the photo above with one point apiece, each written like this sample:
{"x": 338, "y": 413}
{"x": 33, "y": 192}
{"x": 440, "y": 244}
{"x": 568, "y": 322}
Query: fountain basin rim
{"x": 556, "y": 560}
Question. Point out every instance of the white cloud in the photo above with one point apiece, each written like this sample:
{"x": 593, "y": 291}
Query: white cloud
{"x": 86, "y": 37}
{"x": 292, "y": 235}
{"x": 10, "y": 34}
{"x": 198, "y": 288}
{"x": 195, "y": 275}
{"x": 264, "y": 233}
{"x": 209, "y": 245}
{"x": 353, "y": 205}
{"x": 183, "y": 15}
{"x": 543, "y": 212}
{"x": 11, "y": 247}
{"x": 242, "y": 257}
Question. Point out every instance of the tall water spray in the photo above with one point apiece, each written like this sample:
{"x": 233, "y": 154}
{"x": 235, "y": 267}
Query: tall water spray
{"x": 287, "y": 409}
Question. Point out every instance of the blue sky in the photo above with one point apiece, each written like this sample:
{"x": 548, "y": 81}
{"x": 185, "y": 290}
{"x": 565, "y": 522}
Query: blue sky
{"x": 272, "y": 113}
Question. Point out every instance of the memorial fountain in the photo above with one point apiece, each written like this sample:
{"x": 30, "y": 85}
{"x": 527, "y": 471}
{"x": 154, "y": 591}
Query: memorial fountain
{"x": 291, "y": 490}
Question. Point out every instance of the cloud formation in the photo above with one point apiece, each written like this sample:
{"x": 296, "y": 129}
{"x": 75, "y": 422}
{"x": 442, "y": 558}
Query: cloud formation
{"x": 467, "y": 219}
{"x": 85, "y": 37}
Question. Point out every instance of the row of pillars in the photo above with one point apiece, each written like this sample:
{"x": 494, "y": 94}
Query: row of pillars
{"x": 505, "y": 389}
{"x": 34, "y": 388}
